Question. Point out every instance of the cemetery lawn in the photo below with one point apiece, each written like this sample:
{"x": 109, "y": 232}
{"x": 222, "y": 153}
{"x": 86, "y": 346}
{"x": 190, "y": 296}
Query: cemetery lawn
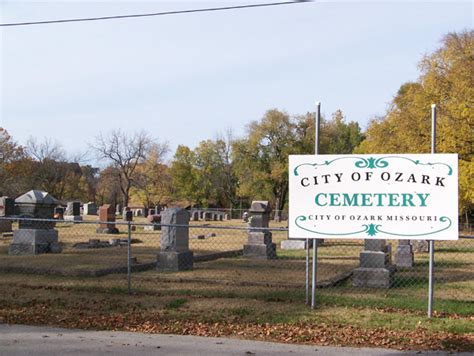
{"x": 243, "y": 312}
{"x": 239, "y": 297}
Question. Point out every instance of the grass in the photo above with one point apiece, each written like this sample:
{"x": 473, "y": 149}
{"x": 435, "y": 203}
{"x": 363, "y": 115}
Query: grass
{"x": 237, "y": 289}
{"x": 176, "y": 303}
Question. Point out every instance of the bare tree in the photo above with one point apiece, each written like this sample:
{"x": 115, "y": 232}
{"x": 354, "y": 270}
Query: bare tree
{"x": 124, "y": 152}
{"x": 45, "y": 150}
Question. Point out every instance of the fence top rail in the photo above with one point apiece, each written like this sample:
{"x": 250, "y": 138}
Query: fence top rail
{"x": 193, "y": 226}
{"x": 202, "y": 226}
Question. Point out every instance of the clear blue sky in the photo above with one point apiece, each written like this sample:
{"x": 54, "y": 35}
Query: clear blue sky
{"x": 187, "y": 78}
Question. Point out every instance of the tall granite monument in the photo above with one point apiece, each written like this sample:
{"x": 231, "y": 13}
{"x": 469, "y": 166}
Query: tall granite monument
{"x": 404, "y": 254}
{"x": 107, "y": 220}
{"x": 174, "y": 254}
{"x": 259, "y": 243}
{"x": 34, "y": 237}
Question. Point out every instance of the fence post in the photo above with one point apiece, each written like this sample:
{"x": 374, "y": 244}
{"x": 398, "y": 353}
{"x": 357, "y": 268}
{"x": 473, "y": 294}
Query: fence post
{"x": 431, "y": 242}
{"x": 129, "y": 258}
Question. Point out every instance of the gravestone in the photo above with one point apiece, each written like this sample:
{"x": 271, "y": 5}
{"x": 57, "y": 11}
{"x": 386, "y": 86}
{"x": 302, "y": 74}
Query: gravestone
{"x": 421, "y": 246}
{"x": 7, "y": 208}
{"x": 404, "y": 254}
{"x": 127, "y": 214}
{"x": 207, "y": 216}
{"x": 174, "y": 254}
{"x": 158, "y": 209}
{"x": 118, "y": 209}
{"x": 259, "y": 243}
{"x": 107, "y": 220}
{"x": 34, "y": 237}
{"x": 90, "y": 208}
{"x": 295, "y": 244}
{"x": 376, "y": 269}
{"x": 59, "y": 213}
{"x": 155, "y": 221}
{"x": 73, "y": 211}
{"x": 195, "y": 215}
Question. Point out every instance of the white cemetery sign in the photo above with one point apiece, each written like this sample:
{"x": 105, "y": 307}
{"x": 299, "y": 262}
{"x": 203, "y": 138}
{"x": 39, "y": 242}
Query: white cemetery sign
{"x": 380, "y": 196}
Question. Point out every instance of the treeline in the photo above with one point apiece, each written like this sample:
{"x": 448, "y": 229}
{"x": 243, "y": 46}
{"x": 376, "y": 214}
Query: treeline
{"x": 231, "y": 172}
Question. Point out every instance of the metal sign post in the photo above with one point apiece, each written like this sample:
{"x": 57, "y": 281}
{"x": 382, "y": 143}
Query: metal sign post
{"x": 307, "y": 271}
{"x": 431, "y": 242}
{"x": 317, "y": 125}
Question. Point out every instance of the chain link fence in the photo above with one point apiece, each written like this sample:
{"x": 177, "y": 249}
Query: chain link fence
{"x": 84, "y": 258}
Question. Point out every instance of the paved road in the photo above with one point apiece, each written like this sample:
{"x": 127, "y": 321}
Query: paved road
{"x": 16, "y": 340}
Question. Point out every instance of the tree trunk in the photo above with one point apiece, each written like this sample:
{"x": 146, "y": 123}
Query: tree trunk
{"x": 277, "y": 216}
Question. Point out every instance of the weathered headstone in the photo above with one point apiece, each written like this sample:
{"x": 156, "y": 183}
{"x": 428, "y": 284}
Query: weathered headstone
{"x": 376, "y": 269}
{"x": 90, "y": 208}
{"x": 404, "y": 254}
{"x": 118, "y": 209}
{"x": 421, "y": 246}
{"x": 155, "y": 221}
{"x": 7, "y": 208}
{"x": 107, "y": 220}
{"x": 259, "y": 243}
{"x": 295, "y": 244}
{"x": 207, "y": 216}
{"x": 34, "y": 237}
{"x": 174, "y": 254}
{"x": 73, "y": 211}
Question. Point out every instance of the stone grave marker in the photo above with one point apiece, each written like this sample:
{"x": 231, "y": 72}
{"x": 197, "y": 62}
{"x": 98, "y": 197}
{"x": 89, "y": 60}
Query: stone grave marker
{"x": 35, "y": 237}
{"x": 107, "y": 220}
{"x": 90, "y": 208}
{"x": 404, "y": 254}
{"x": 259, "y": 243}
{"x": 59, "y": 213}
{"x": 7, "y": 208}
{"x": 155, "y": 221}
{"x": 127, "y": 214}
{"x": 376, "y": 269}
{"x": 195, "y": 215}
{"x": 174, "y": 254}
{"x": 73, "y": 211}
